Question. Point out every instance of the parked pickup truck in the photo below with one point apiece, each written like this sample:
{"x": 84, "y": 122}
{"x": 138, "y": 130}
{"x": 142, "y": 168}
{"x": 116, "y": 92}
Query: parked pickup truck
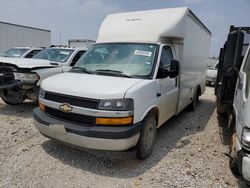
{"x": 212, "y": 74}
{"x": 21, "y": 52}
{"x": 145, "y": 67}
{"x": 20, "y": 78}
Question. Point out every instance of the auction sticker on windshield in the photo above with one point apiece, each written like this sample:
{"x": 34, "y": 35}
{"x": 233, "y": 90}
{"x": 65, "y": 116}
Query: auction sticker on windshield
{"x": 143, "y": 53}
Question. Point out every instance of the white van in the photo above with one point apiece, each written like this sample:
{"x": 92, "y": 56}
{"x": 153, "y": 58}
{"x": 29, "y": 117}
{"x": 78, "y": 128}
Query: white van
{"x": 145, "y": 67}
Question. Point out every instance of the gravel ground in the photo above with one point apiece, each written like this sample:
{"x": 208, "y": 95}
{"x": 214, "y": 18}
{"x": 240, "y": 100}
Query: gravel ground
{"x": 191, "y": 151}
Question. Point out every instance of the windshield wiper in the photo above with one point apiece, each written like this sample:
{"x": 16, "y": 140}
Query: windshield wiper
{"x": 81, "y": 69}
{"x": 113, "y": 72}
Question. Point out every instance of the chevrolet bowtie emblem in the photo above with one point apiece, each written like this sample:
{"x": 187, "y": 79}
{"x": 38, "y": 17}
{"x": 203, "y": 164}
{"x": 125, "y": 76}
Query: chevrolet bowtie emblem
{"x": 65, "y": 108}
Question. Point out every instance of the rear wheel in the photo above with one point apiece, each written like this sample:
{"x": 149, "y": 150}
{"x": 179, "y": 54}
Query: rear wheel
{"x": 12, "y": 96}
{"x": 147, "y": 139}
{"x": 196, "y": 100}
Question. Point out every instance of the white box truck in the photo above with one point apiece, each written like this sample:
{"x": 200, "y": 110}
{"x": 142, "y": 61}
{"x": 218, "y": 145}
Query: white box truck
{"x": 83, "y": 43}
{"x": 145, "y": 67}
{"x": 18, "y": 35}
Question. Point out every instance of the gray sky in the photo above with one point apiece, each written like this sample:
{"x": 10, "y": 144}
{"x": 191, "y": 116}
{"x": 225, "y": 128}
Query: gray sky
{"x": 78, "y": 19}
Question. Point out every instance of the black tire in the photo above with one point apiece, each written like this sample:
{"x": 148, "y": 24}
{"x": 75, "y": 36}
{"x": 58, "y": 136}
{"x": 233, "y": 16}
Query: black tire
{"x": 12, "y": 96}
{"x": 233, "y": 156}
{"x": 147, "y": 138}
{"x": 196, "y": 99}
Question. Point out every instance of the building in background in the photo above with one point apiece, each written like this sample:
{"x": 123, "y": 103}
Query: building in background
{"x": 12, "y": 35}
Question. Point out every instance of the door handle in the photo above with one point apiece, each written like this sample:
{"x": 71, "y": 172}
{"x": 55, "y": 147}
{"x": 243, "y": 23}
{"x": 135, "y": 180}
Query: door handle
{"x": 158, "y": 94}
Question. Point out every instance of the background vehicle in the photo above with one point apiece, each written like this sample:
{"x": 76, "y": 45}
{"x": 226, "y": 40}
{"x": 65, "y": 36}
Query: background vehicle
{"x": 21, "y": 52}
{"x": 232, "y": 91}
{"x": 19, "y": 35}
{"x": 80, "y": 43}
{"x": 20, "y": 78}
{"x": 129, "y": 83}
{"x": 212, "y": 74}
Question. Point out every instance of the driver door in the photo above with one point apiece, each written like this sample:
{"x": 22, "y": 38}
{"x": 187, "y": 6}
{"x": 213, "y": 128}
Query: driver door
{"x": 168, "y": 88}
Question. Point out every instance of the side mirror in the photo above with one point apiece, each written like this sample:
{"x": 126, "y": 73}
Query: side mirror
{"x": 174, "y": 68}
{"x": 162, "y": 73}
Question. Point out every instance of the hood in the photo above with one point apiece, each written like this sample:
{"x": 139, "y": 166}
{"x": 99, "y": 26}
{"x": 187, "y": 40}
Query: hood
{"x": 89, "y": 85}
{"x": 28, "y": 63}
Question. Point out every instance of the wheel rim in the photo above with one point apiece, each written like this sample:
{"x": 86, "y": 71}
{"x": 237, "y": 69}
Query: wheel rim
{"x": 149, "y": 136}
{"x": 13, "y": 96}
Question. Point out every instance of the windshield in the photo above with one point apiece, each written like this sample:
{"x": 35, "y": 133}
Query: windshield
{"x": 59, "y": 55}
{"x": 14, "y": 52}
{"x": 130, "y": 59}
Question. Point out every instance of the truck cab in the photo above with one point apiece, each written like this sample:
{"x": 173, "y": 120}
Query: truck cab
{"x": 20, "y": 78}
{"x": 240, "y": 148}
{"x": 232, "y": 93}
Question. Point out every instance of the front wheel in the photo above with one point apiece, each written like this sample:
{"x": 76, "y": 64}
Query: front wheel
{"x": 147, "y": 139}
{"x": 12, "y": 96}
{"x": 233, "y": 156}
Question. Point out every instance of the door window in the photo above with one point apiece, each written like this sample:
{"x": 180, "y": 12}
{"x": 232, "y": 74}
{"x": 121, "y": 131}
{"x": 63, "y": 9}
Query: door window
{"x": 32, "y": 53}
{"x": 77, "y": 57}
{"x": 166, "y": 57}
{"x": 247, "y": 71}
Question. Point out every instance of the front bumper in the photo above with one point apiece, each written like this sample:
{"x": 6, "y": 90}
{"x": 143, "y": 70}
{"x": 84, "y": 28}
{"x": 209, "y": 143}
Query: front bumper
{"x": 243, "y": 161}
{"x": 92, "y": 137}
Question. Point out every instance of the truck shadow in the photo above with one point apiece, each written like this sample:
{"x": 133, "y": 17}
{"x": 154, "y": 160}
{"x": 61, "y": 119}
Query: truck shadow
{"x": 23, "y": 110}
{"x": 123, "y": 164}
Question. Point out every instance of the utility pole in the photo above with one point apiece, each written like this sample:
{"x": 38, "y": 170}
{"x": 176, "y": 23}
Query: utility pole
{"x": 60, "y": 37}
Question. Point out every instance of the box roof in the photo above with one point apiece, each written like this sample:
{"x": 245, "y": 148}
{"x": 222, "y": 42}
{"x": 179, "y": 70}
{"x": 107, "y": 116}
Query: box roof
{"x": 147, "y": 26}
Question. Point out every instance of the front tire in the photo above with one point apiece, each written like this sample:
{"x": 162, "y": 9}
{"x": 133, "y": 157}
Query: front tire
{"x": 12, "y": 96}
{"x": 147, "y": 138}
{"x": 233, "y": 156}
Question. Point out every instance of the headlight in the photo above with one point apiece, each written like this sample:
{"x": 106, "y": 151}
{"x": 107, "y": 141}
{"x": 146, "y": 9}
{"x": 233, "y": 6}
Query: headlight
{"x": 41, "y": 93}
{"x": 245, "y": 138}
{"x": 26, "y": 77}
{"x": 117, "y": 105}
